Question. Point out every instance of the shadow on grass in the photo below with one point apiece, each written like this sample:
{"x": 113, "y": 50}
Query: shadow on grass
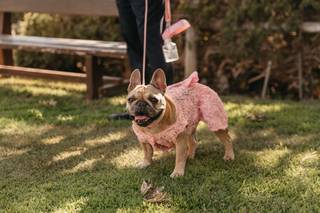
{"x": 87, "y": 164}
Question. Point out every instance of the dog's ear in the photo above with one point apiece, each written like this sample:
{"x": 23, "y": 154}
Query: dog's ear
{"x": 159, "y": 80}
{"x": 135, "y": 80}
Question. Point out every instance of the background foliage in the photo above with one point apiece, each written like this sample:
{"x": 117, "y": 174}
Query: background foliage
{"x": 236, "y": 39}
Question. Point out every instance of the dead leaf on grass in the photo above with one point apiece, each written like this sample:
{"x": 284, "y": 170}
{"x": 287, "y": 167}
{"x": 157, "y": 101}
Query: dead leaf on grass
{"x": 152, "y": 193}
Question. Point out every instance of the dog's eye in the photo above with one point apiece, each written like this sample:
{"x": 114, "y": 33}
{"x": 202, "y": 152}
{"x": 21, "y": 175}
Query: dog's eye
{"x": 153, "y": 100}
{"x": 130, "y": 100}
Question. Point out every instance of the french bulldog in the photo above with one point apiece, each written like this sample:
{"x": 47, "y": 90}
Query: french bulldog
{"x": 158, "y": 115}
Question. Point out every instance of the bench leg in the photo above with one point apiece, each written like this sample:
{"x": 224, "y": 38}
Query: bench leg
{"x": 94, "y": 77}
{"x": 5, "y": 28}
{"x": 6, "y": 57}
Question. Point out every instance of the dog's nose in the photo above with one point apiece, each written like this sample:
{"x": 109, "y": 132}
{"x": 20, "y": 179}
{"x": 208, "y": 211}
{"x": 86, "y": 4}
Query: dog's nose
{"x": 141, "y": 108}
{"x": 141, "y": 104}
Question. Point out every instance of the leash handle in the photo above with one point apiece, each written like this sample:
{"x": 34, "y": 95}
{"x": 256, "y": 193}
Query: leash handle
{"x": 167, "y": 11}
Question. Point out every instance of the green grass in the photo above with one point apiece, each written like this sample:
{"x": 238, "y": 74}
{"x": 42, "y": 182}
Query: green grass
{"x": 59, "y": 153}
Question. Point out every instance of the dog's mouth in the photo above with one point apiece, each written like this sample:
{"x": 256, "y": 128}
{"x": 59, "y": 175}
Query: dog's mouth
{"x": 141, "y": 119}
{"x": 145, "y": 120}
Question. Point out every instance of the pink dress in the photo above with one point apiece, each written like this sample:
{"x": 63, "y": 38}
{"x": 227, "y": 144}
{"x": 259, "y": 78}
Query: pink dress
{"x": 194, "y": 102}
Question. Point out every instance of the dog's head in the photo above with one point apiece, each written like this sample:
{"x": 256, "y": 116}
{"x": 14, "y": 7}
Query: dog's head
{"x": 146, "y": 103}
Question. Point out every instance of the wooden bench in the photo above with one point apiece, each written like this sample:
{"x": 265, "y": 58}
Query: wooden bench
{"x": 89, "y": 49}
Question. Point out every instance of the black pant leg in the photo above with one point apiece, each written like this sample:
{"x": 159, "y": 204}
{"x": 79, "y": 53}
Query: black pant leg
{"x": 128, "y": 25}
{"x": 155, "y": 55}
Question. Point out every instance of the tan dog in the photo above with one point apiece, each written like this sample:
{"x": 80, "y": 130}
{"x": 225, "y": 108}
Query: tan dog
{"x": 154, "y": 112}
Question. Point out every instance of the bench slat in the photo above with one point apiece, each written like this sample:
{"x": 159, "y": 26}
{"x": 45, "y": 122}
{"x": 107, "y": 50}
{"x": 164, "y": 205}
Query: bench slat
{"x": 62, "y": 45}
{"x": 43, "y": 73}
{"x": 53, "y": 74}
{"x": 68, "y": 7}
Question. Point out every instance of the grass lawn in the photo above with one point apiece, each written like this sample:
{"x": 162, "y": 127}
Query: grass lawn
{"x": 59, "y": 153}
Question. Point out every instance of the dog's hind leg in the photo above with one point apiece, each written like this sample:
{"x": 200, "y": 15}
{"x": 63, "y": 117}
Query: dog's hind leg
{"x": 192, "y": 146}
{"x": 224, "y": 137}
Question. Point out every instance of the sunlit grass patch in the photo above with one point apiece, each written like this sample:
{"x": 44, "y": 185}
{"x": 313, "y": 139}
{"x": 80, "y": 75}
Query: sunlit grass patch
{"x": 271, "y": 158}
{"x": 44, "y": 87}
{"x": 72, "y": 205}
{"x": 6, "y": 152}
{"x": 66, "y": 154}
{"x": 129, "y": 158}
{"x": 52, "y": 139}
{"x": 243, "y": 109}
{"x": 121, "y": 100}
{"x": 110, "y": 137}
{"x": 310, "y": 158}
{"x": 85, "y": 165}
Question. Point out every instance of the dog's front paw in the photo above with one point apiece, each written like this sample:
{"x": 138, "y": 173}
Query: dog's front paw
{"x": 176, "y": 174}
{"x": 143, "y": 164}
{"x": 228, "y": 156}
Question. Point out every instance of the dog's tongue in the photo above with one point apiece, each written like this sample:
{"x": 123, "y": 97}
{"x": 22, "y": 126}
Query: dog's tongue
{"x": 140, "y": 117}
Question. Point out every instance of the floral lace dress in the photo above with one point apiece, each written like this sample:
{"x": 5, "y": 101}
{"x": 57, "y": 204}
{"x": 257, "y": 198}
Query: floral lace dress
{"x": 194, "y": 102}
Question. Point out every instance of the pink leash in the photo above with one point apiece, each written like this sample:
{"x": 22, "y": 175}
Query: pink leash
{"x": 167, "y": 13}
{"x": 145, "y": 43}
{"x": 168, "y": 22}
